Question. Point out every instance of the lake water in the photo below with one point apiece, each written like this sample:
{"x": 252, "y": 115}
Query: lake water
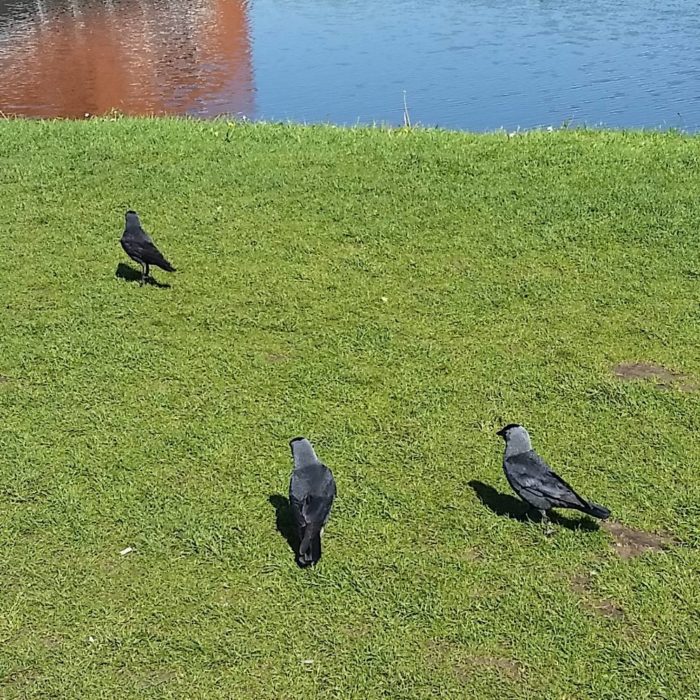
{"x": 463, "y": 64}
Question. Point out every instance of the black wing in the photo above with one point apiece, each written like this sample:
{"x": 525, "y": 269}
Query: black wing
{"x": 153, "y": 256}
{"x": 140, "y": 247}
{"x": 530, "y": 474}
{"x": 311, "y": 494}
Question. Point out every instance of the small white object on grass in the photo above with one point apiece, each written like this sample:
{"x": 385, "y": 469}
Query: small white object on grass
{"x": 128, "y": 550}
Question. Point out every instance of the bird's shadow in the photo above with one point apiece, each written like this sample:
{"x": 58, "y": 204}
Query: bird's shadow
{"x": 284, "y": 521}
{"x": 129, "y": 274}
{"x": 508, "y": 506}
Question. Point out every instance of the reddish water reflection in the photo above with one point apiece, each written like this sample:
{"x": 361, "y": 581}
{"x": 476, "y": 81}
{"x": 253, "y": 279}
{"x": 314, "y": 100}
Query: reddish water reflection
{"x": 139, "y": 57}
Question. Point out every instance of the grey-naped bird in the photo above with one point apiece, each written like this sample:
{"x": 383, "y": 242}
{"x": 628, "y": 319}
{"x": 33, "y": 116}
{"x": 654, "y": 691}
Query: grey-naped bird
{"x": 139, "y": 247}
{"x": 533, "y": 480}
{"x": 311, "y": 493}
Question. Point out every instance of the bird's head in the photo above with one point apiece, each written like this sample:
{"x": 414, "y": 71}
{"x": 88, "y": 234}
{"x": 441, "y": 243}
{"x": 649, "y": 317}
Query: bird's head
{"x": 516, "y": 437}
{"x": 302, "y": 452}
{"x": 512, "y": 430}
{"x": 132, "y": 217}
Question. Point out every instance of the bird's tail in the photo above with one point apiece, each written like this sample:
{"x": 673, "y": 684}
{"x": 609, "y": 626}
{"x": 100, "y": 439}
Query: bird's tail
{"x": 158, "y": 259}
{"x": 310, "y": 547}
{"x": 165, "y": 265}
{"x": 596, "y": 511}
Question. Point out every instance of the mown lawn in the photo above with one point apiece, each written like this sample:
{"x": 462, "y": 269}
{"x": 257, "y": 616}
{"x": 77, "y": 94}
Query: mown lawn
{"x": 396, "y": 296}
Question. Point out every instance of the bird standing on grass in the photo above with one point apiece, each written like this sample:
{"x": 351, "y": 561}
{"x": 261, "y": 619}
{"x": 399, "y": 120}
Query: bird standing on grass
{"x": 139, "y": 247}
{"x": 536, "y": 484}
{"x": 311, "y": 493}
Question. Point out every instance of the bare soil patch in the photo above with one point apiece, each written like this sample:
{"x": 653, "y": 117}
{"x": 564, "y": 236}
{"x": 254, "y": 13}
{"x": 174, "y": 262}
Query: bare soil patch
{"x": 359, "y": 631}
{"x": 663, "y": 377}
{"x": 276, "y": 357}
{"x": 630, "y": 543}
{"x": 476, "y": 664}
{"x": 581, "y": 585}
{"x": 155, "y": 678}
{"x": 445, "y": 654}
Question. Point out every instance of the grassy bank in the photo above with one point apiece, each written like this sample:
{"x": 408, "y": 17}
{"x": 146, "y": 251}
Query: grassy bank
{"x": 396, "y": 296}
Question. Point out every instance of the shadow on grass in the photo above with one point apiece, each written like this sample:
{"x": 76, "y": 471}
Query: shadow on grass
{"x": 504, "y": 505}
{"x": 129, "y": 274}
{"x": 285, "y": 521}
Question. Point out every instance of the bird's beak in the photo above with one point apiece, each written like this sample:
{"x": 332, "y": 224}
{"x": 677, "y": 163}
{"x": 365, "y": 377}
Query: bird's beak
{"x": 501, "y": 432}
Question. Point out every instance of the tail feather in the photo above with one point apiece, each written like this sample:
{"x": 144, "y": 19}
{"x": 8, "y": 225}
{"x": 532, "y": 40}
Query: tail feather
{"x": 153, "y": 256}
{"x": 597, "y": 511}
{"x": 158, "y": 259}
{"x": 310, "y": 547}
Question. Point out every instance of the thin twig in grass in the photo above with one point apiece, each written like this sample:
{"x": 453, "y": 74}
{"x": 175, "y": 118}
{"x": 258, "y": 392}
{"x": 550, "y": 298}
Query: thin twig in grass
{"x": 406, "y": 115}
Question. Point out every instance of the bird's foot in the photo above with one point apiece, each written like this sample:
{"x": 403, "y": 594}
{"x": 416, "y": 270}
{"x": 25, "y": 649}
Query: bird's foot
{"x": 546, "y": 524}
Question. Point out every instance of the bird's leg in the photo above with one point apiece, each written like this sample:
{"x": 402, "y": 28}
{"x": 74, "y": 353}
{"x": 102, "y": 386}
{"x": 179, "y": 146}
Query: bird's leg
{"x": 144, "y": 274}
{"x": 302, "y": 531}
{"x": 148, "y": 271}
{"x": 545, "y": 522}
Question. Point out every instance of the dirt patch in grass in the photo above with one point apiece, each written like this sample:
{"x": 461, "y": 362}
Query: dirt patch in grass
{"x": 155, "y": 678}
{"x": 51, "y": 642}
{"x": 276, "y": 357}
{"x": 446, "y": 654}
{"x": 663, "y": 377}
{"x": 505, "y": 667}
{"x": 629, "y": 543}
{"x": 359, "y": 631}
{"x": 468, "y": 554}
{"x": 581, "y": 585}
{"x": 25, "y": 678}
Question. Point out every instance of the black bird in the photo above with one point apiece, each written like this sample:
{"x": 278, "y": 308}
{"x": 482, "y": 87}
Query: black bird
{"x": 532, "y": 479}
{"x": 311, "y": 493}
{"x": 139, "y": 247}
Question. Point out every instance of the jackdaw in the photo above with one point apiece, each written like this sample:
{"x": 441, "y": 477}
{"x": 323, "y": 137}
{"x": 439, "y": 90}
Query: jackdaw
{"x": 532, "y": 479}
{"x": 311, "y": 493}
{"x": 139, "y": 247}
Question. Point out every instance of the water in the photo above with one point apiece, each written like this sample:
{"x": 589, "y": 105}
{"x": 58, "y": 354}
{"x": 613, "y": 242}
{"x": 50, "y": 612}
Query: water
{"x": 478, "y": 65}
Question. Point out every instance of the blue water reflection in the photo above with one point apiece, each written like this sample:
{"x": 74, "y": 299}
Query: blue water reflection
{"x": 466, "y": 64}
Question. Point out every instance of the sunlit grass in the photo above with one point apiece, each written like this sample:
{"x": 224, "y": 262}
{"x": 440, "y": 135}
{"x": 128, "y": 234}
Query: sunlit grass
{"x": 396, "y": 296}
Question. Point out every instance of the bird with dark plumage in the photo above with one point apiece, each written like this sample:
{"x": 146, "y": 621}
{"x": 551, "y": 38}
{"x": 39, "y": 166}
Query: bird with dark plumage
{"x": 311, "y": 493}
{"x": 533, "y": 480}
{"x": 139, "y": 247}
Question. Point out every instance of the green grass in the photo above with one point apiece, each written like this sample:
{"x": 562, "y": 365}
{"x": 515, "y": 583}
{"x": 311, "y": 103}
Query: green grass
{"x": 396, "y": 296}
